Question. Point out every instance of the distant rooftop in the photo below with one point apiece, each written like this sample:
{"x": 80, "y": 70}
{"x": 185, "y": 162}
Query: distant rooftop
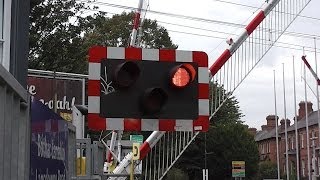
{"x": 312, "y": 119}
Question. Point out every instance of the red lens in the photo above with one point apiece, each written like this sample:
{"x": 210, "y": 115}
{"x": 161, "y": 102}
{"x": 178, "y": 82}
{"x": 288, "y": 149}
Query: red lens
{"x": 180, "y": 77}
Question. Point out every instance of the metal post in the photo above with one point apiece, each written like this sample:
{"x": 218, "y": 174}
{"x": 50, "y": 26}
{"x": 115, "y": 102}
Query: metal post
{"x": 136, "y": 24}
{"x": 276, "y": 117}
{"x": 296, "y": 121}
{"x": 285, "y": 122}
{"x": 83, "y": 103}
{"x": 307, "y": 123}
{"x": 317, "y": 86}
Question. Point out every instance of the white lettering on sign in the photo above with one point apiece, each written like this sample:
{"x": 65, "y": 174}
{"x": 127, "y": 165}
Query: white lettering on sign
{"x": 47, "y": 176}
{"x": 49, "y": 150}
{"x": 32, "y": 89}
{"x": 61, "y": 104}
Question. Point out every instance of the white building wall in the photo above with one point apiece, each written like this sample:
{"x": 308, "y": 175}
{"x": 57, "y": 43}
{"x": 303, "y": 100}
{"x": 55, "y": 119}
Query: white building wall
{"x": 5, "y": 29}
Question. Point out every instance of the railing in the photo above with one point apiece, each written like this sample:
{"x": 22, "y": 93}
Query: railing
{"x": 14, "y": 128}
{"x": 228, "y": 72}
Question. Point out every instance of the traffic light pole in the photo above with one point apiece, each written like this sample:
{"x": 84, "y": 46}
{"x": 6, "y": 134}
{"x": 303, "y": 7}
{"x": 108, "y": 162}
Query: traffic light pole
{"x": 117, "y": 136}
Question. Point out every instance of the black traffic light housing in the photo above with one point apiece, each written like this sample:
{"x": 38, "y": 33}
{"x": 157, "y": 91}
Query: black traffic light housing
{"x": 149, "y": 89}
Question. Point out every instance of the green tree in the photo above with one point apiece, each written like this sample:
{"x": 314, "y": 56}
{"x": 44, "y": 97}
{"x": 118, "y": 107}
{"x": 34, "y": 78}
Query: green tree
{"x": 55, "y": 35}
{"x": 227, "y": 140}
{"x": 60, "y": 36}
{"x": 267, "y": 170}
{"x": 116, "y": 31}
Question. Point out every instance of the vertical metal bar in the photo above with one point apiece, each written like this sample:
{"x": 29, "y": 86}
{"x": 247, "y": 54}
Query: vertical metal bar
{"x": 171, "y": 148}
{"x": 307, "y": 122}
{"x": 296, "y": 121}
{"x": 154, "y": 163}
{"x": 7, "y": 134}
{"x": 226, "y": 82}
{"x": 168, "y": 148}
{"x": 245, "y": 59}
{"x": 180, "y": 143}
{"x": 317, "y": 88}
{"x": 276, "y": 117}
{"x": 285, "y": 122}
{"x": 146, "y": 167}
{"x": 150, "y": 158}
{"x": 3, "y": 102}
{"x": 163, "y": 151}
{"x": 15, "y": 138}
{"x": 159, "y": 158}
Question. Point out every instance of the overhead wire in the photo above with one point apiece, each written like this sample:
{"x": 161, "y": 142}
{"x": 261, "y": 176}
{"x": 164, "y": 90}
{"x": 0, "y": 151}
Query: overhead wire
{"x": 249, "y": 6}
{"x": 288, "y": 33}
{"x": 221, "y": 32}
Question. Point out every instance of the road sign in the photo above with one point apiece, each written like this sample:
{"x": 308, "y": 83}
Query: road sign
{"x": 136, "y": 151}
{"x": 136, "y": 138}
{"x": 238, "y": 169}
{"x": 125, "y": 93}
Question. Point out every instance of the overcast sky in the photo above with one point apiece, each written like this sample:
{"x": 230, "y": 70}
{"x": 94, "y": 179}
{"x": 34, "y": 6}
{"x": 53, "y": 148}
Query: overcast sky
{"x": 255, "y": 94}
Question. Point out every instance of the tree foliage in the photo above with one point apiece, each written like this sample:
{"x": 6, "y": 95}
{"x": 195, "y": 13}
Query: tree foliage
{"x": 227, "y": 140}
{"x": 55, "y": 36}
{"x": 267, "y": 170}
{"x": 60, "y": 35}
{"x": 116, "y": 31}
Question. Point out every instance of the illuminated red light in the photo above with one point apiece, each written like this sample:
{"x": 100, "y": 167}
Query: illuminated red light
{"x": 183, "y": 75}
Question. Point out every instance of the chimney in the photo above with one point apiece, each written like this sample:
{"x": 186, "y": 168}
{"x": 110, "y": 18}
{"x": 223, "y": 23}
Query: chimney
{"x": 271, "y": 122}
{"x": 253, "y": 131}
{"x": 282, "y": 126}
{"x": 264, "y": 127}
{"x": 302, "y": 109}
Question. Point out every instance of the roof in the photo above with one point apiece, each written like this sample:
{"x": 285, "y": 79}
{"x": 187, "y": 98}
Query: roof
{"x": 312, "y": 119}
{"x": 262, "y": 135}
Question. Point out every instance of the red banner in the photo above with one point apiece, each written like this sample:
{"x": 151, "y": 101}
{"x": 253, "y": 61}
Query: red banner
{"x": 69, "y": 93}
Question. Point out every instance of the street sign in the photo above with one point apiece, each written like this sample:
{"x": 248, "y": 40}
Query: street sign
{"x": 136, "y": 151}
{"x": 238, "y": 169}
{"x": 136, "y": 138}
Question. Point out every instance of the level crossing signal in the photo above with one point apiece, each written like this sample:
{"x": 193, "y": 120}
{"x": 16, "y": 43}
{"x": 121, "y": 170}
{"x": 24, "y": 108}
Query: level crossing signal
{"x": 148, "y": 84}
{"x": 150, "y": 89}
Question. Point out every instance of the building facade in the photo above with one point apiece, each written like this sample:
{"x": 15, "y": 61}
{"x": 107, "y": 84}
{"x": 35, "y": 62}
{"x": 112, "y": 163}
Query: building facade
{"x": 266, "y": 139}
{"x": 14, "y": 99}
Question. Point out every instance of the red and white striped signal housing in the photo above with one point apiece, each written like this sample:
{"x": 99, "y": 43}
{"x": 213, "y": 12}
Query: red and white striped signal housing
{"x": 136, "y": 89}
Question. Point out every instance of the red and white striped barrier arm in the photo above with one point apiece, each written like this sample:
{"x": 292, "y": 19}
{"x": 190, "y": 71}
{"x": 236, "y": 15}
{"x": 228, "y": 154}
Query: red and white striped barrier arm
{"x": 311, "y": 70}
{"x": 136, "y": 24}
{"x": 224, "y": 57}
{"x": 150, "y": 143}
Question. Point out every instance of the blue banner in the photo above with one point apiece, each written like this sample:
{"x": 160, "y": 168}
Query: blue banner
{"x": 49, "y": 140}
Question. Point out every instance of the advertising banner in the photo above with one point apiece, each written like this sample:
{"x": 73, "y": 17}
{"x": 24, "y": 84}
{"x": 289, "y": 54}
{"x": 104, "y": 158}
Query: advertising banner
{"x": 69, "y": 92}
{"x": 49, "y": 140}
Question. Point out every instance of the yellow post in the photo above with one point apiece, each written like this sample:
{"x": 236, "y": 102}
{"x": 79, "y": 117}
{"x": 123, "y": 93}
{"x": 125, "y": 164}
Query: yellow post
{"x": 135, "y": 156}
{"x": 132, "y": 170}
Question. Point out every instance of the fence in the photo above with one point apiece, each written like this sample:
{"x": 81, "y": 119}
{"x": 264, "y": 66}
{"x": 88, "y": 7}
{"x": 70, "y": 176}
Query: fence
{"x": 14, "y": 128}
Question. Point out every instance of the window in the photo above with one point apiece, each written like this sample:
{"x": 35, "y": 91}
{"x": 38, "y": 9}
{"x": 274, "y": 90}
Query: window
{"x": 263, "y": 148}
{"x": 302, "y": 140}
{"x": 268, "y": 147}
{"x": 5, "y": 29}
{"x": 1, "y": 19}
{"x": 303, "y": 168}
{"x": 312, "y": 139}
{"x": 292, "y": 143}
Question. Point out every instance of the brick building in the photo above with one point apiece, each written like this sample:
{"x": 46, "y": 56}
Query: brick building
{"x": 266, "y": 139}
